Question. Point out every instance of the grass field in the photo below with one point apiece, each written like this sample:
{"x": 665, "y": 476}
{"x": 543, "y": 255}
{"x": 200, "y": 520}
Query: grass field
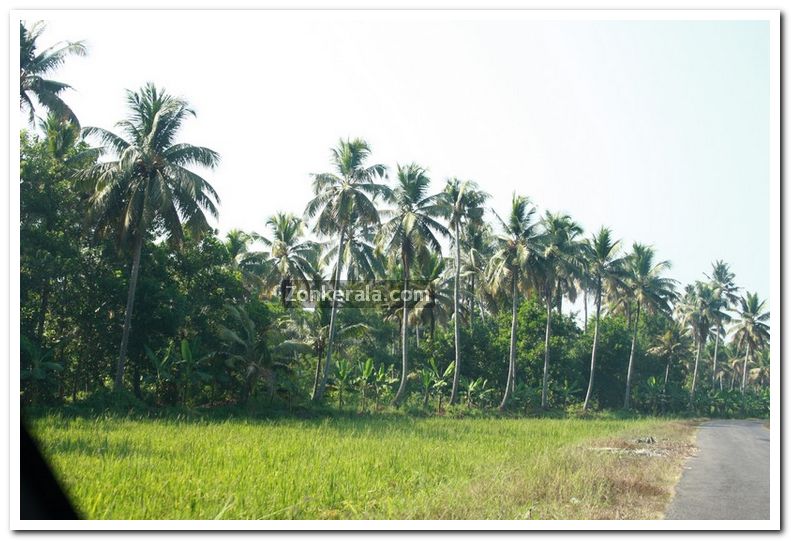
{"x": 387, "y": 467}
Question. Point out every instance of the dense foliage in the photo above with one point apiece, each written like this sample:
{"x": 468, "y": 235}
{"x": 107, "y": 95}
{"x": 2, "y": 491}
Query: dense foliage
{"x": 115, "y": 248}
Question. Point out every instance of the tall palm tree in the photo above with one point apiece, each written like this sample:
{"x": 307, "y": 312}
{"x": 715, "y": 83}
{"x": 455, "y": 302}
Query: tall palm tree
{"x": 147, "y": 184}
{"x": 722, "y": 280}
{"x": 343, "y": 199}
{"x": 35, "y": 65}
{"x": 605, "y": 268}
{"x": 510, "y": 266}
{"x": 649, "y": 291}
{"x": 672, "y": 345}
{"x": 463, "y": 203}
{"x": 411, "y": 230}
{"x": 750, "y": 329}
{"x": 292, "y": 257}
{"x": 478, "y": 246}
{"x": 560, "y": 263}
{"x": 697, "y": 309}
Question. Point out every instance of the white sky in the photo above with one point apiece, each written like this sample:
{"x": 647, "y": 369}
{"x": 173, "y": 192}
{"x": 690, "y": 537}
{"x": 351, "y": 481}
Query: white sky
{"x": 659, "y": 130}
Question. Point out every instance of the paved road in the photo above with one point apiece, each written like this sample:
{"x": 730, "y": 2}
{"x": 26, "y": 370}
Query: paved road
{"x": 729, "y": 477}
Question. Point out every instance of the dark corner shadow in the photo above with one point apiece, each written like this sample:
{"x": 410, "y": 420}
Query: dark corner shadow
{"x": 41, "y": 497}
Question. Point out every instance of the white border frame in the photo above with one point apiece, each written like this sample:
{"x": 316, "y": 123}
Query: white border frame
{"x": 771, "y": 16}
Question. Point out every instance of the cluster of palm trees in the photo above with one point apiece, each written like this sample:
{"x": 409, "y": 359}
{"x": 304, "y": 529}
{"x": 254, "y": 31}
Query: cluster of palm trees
{"x": 363, "y": 224}
{"x": 546, "y": 256}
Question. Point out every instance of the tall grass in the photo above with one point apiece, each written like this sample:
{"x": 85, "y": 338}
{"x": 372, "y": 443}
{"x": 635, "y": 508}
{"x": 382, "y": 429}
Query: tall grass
{"x": 383, "y": 467}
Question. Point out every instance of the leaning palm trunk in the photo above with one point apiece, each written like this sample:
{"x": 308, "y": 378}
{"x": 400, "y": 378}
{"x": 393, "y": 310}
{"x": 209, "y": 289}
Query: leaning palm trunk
{"x": 631, "y": 359}
{"x": 695, "y": 372}
{"x": 456, "y": 323}
{"x": 509, "y": 384}
{"x": 130, "y": 303}
{"x": 547, "y": 336}
{"x": 399, "y": 397}
{"x": 593, "y": 350}
{"x": 331, "y": 333}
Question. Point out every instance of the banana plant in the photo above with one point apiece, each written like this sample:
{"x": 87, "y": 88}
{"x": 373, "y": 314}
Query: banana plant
{"x": 343, "y": 372}
{"x": 439, "y": 380}
{"x": 366, "y": 371}
{"x": 476, "y": 388}
{"x": 177, "y": 370}
{"x": 426, "y": 379}
{"x": 653, "y": 392}
{"x": 383, "y": 380}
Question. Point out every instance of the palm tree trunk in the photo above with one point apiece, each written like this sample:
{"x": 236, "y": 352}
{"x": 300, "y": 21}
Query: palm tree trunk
{"x": 667, "y": 375}
{"x": 631, "y": 359}
{"x": 512, "y": 355}
{"x": 714, "y": 361}
{"x": 456, "y": 322}
{"x": 331, "y": 333}
{"x": 585, "y": 307}
{"x": 547, "y": 336}
{"x": 42, "y": 313}
{"x": 317, "y": 376}
{"x": 472, "y": 301}
{"x": 400, "y": 395}
{"x": 130, "y": 303}
{"x": 695, "y": 371}
{"x": 744, "y": 370}
{"x": 595, "y": 341}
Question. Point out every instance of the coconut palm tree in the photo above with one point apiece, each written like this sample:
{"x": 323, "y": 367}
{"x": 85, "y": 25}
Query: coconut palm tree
{"x": 698, "y": 309}
{"x": 649, "y": 291}
{"x": 759, "y": 375}
{"x": 478, "y": 248}
{"x": 463, "y": 203}
{"x": 750, "y": 329}
{"x": 343, "y": 199}
{"x": 253, "y": 265}
{"x": 35, "y": 65}
{"x": 510, "y": 267}
{"x": 410, "y": 231}
{"x": 559, "y": 264}
{"x": 725, "y": 289}
{"x": 605, "y": 268}
{"x": 673, "y": 344}
{"x": 308, "y": 333}
{"x": 147, "y": 185}
{"x": 360, "y": 256}
{"x": 246, "y": 348}
{"x": 292, "y": 258}
{"x": 437, "y": 304}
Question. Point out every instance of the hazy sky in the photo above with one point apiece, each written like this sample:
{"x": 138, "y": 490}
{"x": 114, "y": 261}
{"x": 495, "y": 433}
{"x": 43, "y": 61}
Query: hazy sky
{"x": 659, "y": 130}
